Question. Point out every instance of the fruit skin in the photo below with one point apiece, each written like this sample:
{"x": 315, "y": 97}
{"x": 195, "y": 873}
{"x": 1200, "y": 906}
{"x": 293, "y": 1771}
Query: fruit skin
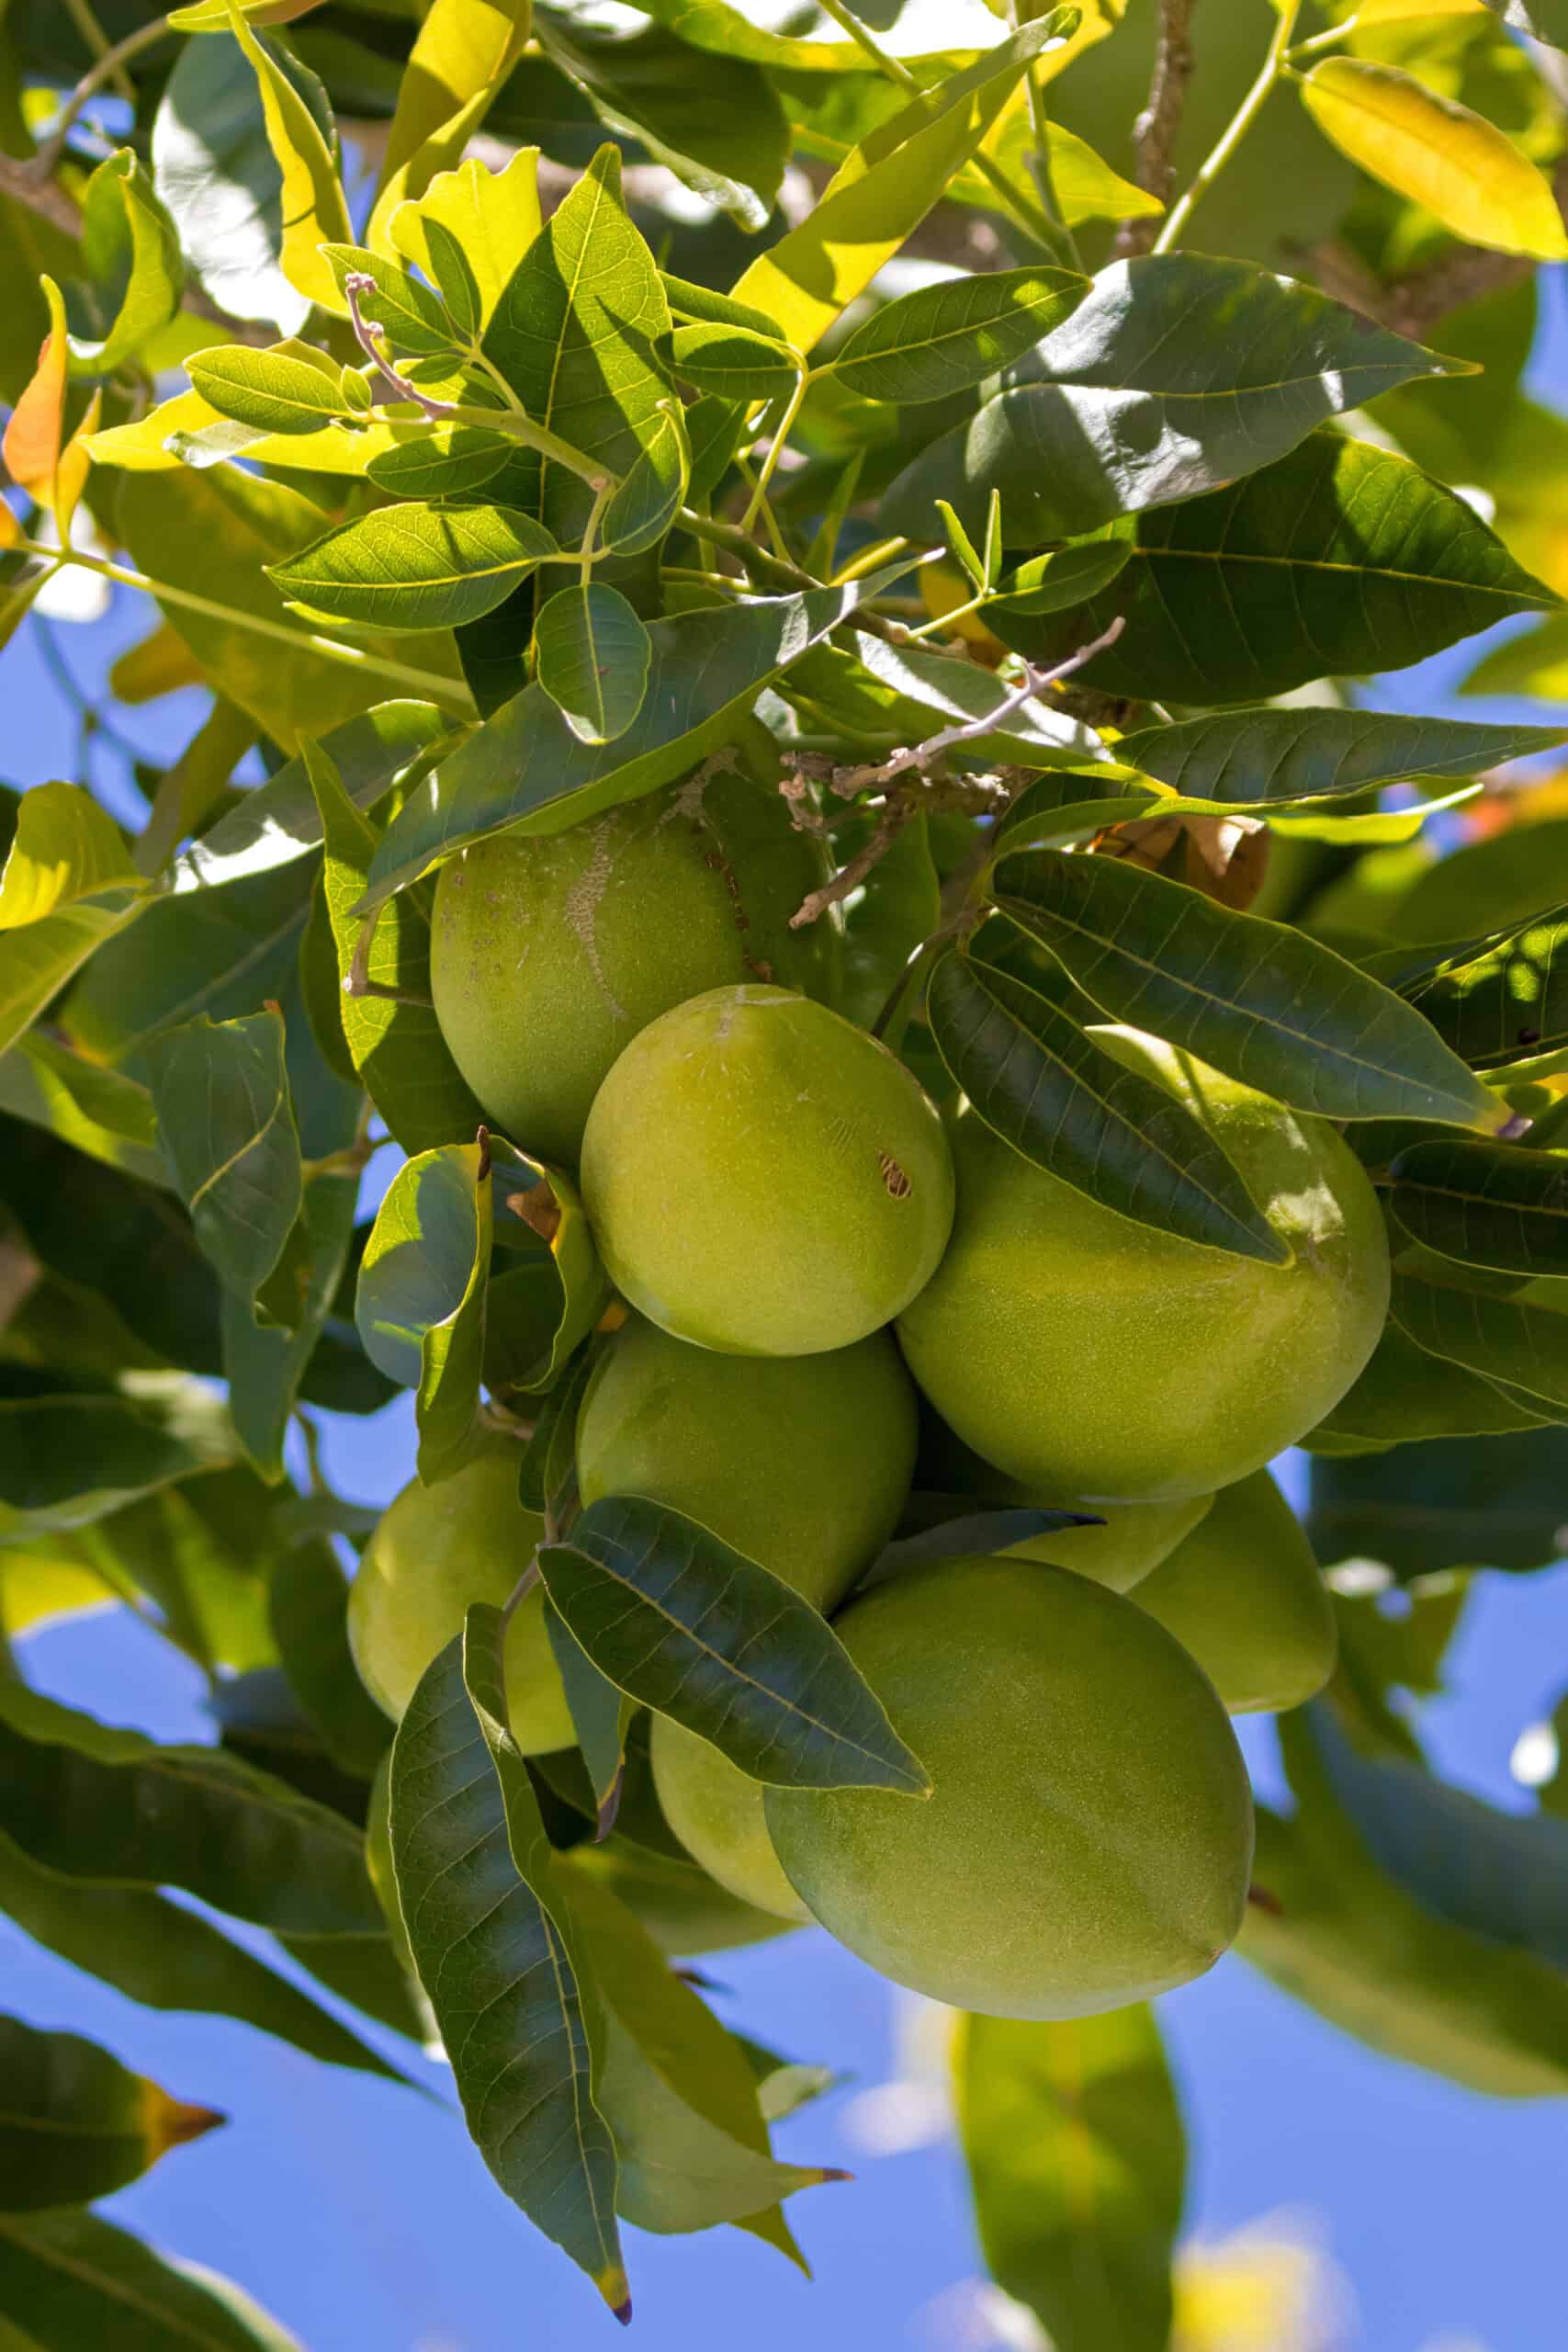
{"x": 1088, "y": 1841}
{"x": 547, "y": 953}
{"x": 1091, "y": 1355}
{"x": 436, "y": 1549}
{"x": 800, "y": 1461}
{"x": 1244, "y": 1596}
{"x": 763, "y": 1178}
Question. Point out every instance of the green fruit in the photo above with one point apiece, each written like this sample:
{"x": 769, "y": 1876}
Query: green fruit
{"x": 764, "y": 1179}
{"x": 1244, "y": 1595}
{"x": 549, "y": 953}
{"x": 1090, "y": 1835}
{"x": 436, "y": 1549}
{"x": 716, "y": 1810}
{"x": 800, "y": 1461}
{"x": 1091, "y": 1355}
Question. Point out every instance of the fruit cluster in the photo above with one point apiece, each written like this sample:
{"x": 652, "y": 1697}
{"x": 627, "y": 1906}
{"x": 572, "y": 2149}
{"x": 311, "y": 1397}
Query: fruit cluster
{"x": 850, "y": 1316}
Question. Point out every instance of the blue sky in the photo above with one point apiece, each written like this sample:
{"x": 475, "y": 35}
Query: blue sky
{"x": 360, "y": 2216}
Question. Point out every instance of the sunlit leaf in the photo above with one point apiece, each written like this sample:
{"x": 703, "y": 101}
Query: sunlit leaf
{"x": 266, "y": 390}
{"x": 130, "y": 251}
{"x": 492, "y": 217}
{"x": 943, "y": 338}
{"x": 591, "y": 655}
{"x": 413, "y": 567}
{"x": 315, "y": 212}
{"x": 462, "y": 54}
{"x": 66, "y": 847}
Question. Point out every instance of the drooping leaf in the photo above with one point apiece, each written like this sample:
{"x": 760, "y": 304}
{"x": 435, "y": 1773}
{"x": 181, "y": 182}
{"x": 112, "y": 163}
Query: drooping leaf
{"x": 314, "y": 209}
{"x": 46, "y": 461}
{"x": 1048, "y": 1089}
{"x": 1265, "y": 1003}
{"x": 1254, "y": 758}
{"x": 66, "y": 1460}
{"x": 421, "y": 1304}
{"x": 93, "y": 1110}
{"x": 91, "y": 1802}
{"x": 1488, "y": 1205}
{"x": 942, "y": 338}
{"x": 1438, "y": 153}
{"x": 130, "y": 252}
{"x": 221, "y": 1090}
{"x": 1076, "y": 2159}
{"x": 462, "y": 54}
{"x": 687, "y": 1625}
{"x": 1176, "y": 374}
{"x": 68, "y": 2279}
{"x": 534, "y": 1204}
{"x": 77, "y": 2124}
{"x": 414, "y": 567}
{"x": 494, "y": 1941}
{"x": 1339, "y": 558}
{"x": 66, "y": 847}
{"x": 592, "y": 656}
{"x": 706, "y": 670}
{"x": 492, "y": 217}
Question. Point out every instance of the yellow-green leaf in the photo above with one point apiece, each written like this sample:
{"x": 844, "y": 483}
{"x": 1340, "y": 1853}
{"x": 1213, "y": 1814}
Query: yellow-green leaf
{"x": 1461, "y": 168}
{"x": 463, "y": 53}
{"x": 38, "y": 456}
{"x": 315, "y": 212}
{"x": 66, "y": 847}
{"x": 494, "y": 217}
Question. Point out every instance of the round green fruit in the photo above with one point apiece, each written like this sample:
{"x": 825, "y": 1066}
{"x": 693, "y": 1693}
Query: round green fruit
{"x": 716, "y": 1810}
{"x": 436, "y": 1549}
{"x": 763, "y": 1177}
{"x": 1091, "y": 1355}
{"x": 1088, "y": 1840}
{"x": 549, "y": 953}
{"x": 800, "y": 1461}
{"x": 1245, "y": 1597}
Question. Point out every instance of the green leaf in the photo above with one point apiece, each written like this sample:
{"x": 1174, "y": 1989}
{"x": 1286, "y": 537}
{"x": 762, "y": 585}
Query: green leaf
{"x": 66, "y": 847}
{"x": 924, "y": 686}
{"x": 547, "y": 1468}
{"x": 1073, "y": 2137}
{"x": 645, "y": 507}
{"x": 314, "y": 209}
{"x": 68, "y": 1460}
{"x": 575, "y": 334}
{"x": 1403, "y": 1393}
{"x": 533, "y": 1203}
{"x": 421, "y": 1301}
{"x": 1501, "y": 999}
{"x": 413, "y": 567}
{"x": 690, "y": 301}
{"x": 1263, "y": 1002}
{"x": 396, "y": 1048}
{"x": 1339, "y": 558}
{"x": 592, "y": 656}
{"x": 1251, "y": 759}
{"x": 131, "y": 252}
{"x": 265, "y": 1367}
{"x": 1055, "y": 583}
{"x": 92, "y": 1801}
{"x": 266, "y": 388}
{"x": 167, "y": 1957}
{"x": 1048, "y": 1089}
{"x": 397, "y": 302}
{"x": 454, "y": 281}
{"x": 682, "y": 1624}
{"x": 440, "y": 461}
{"x": 491, "y": 217}
{"x": 733, "y": 362}
{"x": 221, "y": 1090}
{"x": 707, "y": 670}
{"x": 1438, "y": 153}
{"x": 942, "y": 338}
{"x": 676, "y": 2088}
{"x": 884, "y": 189}
{"x": 68, "y": 2279}
{"x": 1487, "y": 1205}
{"x": 462, "y": 54}
{"x": 493, "y": 1942}
{"x": 93, "y": 1110}
{"x": 215, "y": 170}
{"x": 77, "y": 2124}
{"x": 307, "y": 1604}
{"x": 600, "y": 1714}
{"x": 1493, "y": 1502}
{"x": 1174, "y": 376}
{"x": 1503, "y": 1338}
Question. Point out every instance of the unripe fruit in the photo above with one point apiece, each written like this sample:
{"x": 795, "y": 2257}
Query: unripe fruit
{"x": 549, "y": 953}
{"x": 1088, "y": 1840}
{"x": 1091, "y": 1355}
{"x": 436, "y": 1549}
{"x": 763, "y": 1178}
{"x": 800, "y": 1461}
{"x": 1244, "y": 1595}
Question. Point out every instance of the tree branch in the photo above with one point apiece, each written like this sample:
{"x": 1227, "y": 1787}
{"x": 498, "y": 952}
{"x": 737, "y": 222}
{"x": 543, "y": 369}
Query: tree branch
{"x": 1156, "y": 128}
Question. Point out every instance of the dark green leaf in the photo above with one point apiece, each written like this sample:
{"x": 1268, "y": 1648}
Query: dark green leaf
{"x": 221, "y": 1090}
{"x": 1501, "y": 999}
{"x": 685, "y": 1624}
{"x": 643, "y": 509}
{"x": 265, "y": 1367}
{"x": 1262, "y": 758}
{"x": 1404, "y": 1393}
{"x": 1265, "y": 1004}
{"x": 93, "y": 1110}
{"x": 733, "y": 363}
{"x": 68, "y": 2279}
{"x": 270, "y": 390}
{"x": 1341, "y": 557}
{"x": 942, "y": 338}
{"x": 1174, "y": 376}
{"x": 547, "y": 1468}
{"x": 413, "y": 567}
{"x": 66, "y": 1461}
{"x": 1048, "y": 1089}
{"x": 91, "y": 1802}
{"x": 1503, "y": 1338}
{"x": 590, "y": 656}
{"x": 308, "y": 1607}
{"x": 492, "y": 1940}
{"x": 1488, "y": 1205}
{"x": 1077, "y": 2158}
{"x": 421, "y": 1304}
{"x": 77, "y": 2125}
{"x": 599, "y": 1717}
{"x": 1493, "y": 1502}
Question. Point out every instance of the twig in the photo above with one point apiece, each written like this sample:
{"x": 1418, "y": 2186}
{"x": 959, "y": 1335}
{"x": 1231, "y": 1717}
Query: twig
{"x": 1174, "y": 227}
{"x": 368, "y": 333}
{"x": 95, "y": 39}
{"x": 1156, "y": 128}
{"x": 41, "y": 165}
{"x": 969, "y": 730}
{"x": 848, "y": 879}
